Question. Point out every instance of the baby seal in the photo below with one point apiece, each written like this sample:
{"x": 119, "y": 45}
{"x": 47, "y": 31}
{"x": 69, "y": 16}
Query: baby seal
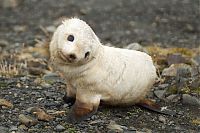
{"x": 95, "y": 72}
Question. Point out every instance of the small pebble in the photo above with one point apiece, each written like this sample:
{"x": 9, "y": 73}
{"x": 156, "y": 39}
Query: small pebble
{"x": 13, "y": 128}
{"x": 172, "y": 70}
{"x": 3, "y": 43}
{"x": 159, "y": 93}
{"x": 162, "y": 86}
{"x": 4, "y": 102}
{"x": 136, "y": 46}
{"x": 176, "y": 59}
{"x": 49, "y": 77}
{"x": 65, "y": 105}
{"x": 196, "y": 60}
{"x": 173, "y": 98}
{"x": 115, "y": 127}
{"x": 27, "y": 120}
{"x": 60, "y": 128}
{"x": 162, "y": 119}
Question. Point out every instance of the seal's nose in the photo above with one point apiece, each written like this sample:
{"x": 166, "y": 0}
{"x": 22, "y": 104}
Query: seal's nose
{"x": 71, "y": 57}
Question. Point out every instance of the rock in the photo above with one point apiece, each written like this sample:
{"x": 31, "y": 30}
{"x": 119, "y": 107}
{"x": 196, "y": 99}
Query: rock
{"x": 162, "y": 119}
{"x": 115, "y": 127}
{"x": 196, "y": 121}
{"x": 195, "y": 83}
{"x": 189, "y": 28}
{"x": 22, "y": 127}
{"x": 173, "y": 98}
{"x": 3, "y": 129}
{"x": 66, "y": 105}
{"x": 51, "y": 28}
{"x": 37, "y": 66}
{"x": 133, "y": 129}
{"x": 171, "y": 123}
{"x": 144, "y": 130}
{"x": 176, "y": 59}
{"x": 19, "y": 28}
{"x": 46, "y": 85}
{"x": 37, "y": 63}
{"x": 132, "y": 23}
{"x": 49, "y": 94}
{"x": 33, "y": 130}
{"x": 51, "y": 77}
{"x": 3, "y": 43}
{"x": 60, "y": 128}
{"x": 183, "y": 72}
{"x": 93, "y": 117}
{"x": 38, "y": 81}
{"x": 136, "y": 46}
{"x": 190, "y": 100}
{"x": 127, "y": 118}
{"x": 195, "y": 71}
{"x": 4, "y": 102}
{"x": 172, "y": 70}
{"x": 52, "y": 104}
{"x": 196, "y": 60}
{"x": 41, "y": 114}
{"x": 163, "y": 86}
{"x": 13, "y": 128}
{"x": 96, "y": 121}
{"x": 27, "y": 120}
{"x": 178, "y": 127}
{"x": 36, "y": 71}
{"x": 56, "y": 113}
{"x": 159, "y": 93}
{"x": 40, "y": 99}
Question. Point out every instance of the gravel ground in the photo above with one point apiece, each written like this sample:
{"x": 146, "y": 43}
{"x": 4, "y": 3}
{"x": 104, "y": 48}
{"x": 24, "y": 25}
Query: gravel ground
{"x": 169, "y": 23}
{"x": 31, "y": 94}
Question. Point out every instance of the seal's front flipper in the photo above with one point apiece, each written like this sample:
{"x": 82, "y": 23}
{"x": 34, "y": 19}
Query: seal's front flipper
{"x": 150, "y": 105}
{"x": 84, "y": 107}
{"x": 69, "y": 100}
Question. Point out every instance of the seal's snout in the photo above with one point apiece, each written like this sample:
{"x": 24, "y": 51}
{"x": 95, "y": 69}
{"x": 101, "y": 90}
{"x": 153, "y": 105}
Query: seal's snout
{"x": 71, "y": 57}
{"x": 68, "y": 57}
{"x": 87, "y": 54}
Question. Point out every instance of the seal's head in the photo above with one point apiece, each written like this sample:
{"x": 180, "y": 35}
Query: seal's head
{"x": 74, "y": 43}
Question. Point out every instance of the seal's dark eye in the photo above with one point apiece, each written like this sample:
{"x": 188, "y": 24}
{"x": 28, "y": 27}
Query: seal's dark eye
{"x": 70, "y": 38}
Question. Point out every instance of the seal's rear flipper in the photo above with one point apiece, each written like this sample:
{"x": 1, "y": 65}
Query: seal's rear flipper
{"x": 150, "y": 105}
{"x": 80, "y": 111}
{"x": 85, "y": 106}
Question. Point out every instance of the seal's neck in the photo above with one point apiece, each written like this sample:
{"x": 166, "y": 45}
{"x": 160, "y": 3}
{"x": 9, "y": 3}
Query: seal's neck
{"x": 99, "y": 51}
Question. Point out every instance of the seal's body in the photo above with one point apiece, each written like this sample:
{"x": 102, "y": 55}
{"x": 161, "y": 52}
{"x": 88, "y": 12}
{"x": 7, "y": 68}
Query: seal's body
{"x": 97, "y": 73}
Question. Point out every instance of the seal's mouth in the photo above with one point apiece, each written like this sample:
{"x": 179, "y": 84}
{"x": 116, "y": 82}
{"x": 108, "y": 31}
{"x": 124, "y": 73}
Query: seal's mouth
{"x": 67, "y": 61}
{"x": 64, "y": 58}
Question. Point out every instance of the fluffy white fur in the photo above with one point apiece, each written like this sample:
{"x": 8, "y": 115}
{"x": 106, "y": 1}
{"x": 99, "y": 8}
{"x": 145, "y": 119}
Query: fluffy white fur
{"x": 113, "y": 75}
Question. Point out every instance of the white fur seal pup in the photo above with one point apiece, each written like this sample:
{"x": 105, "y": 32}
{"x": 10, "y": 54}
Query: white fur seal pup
{"x": 95, "y": 72}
